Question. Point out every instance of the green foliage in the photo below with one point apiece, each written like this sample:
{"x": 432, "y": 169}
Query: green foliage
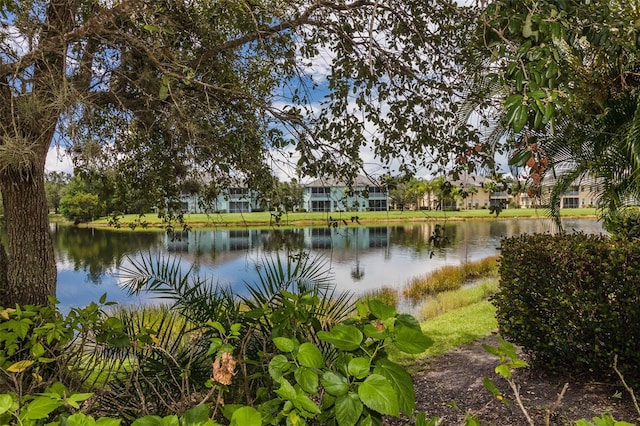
{"x": 40, "y": 346}
{"x": 55, "y": 186}
{"x": 604, "y": 420}
{"x": 81, "y": 207}
{"x": 566, "y": 81}
{"x": 564, "y": 297}
{"x": 286, "y": 352}
{"x": 624, "y": 224}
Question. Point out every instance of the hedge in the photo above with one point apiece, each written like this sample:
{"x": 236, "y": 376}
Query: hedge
{"x": 572, "y": 301}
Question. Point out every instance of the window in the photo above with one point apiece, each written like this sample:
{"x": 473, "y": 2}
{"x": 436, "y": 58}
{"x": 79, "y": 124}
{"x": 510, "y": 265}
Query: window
{"x": 377, "y": 205}
{"x": 570, "y": 203}
{"x": 375, "y": 190}
{"x": 320, "y": 190}
{"x": 321, "y": 206}
{"x": 239, "y": 207}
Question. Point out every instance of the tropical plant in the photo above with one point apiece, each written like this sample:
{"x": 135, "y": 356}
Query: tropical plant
{"x": 290, "y": 348}
{"x": 567, "y": 93}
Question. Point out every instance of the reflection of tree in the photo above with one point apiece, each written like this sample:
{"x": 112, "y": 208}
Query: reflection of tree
{"x": 285, "y": 239}
{"x": 357, "y": 272}
{"x": 421, "y": 238}
{"x": 97, "y": 251}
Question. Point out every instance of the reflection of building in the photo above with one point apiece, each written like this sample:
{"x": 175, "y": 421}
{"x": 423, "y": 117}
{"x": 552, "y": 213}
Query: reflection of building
{"x": 331, "y": 195}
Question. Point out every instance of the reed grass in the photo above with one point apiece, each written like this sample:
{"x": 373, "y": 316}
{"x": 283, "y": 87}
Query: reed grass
{"x": 449, "y": 300}
{"x": 449, "y": 278}
{"x": 387, "y": 295}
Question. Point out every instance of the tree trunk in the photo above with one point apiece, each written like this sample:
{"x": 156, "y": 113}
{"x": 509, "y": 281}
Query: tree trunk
{"x": 29, "y": 260}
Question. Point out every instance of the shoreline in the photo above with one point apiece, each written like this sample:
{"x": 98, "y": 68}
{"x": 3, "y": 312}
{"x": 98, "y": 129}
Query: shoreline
{"x": 264, "y": 220}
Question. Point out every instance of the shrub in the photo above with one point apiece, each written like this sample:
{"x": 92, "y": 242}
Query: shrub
{"x": 81, "y": 207}
{"x": 572, "y": 301}
{"x": 624, "y": 224}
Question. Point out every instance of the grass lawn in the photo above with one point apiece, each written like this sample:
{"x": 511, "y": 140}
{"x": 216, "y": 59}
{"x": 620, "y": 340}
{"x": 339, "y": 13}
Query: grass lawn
{"x": 321, "y": 218}
{"x": 451, "y": 330}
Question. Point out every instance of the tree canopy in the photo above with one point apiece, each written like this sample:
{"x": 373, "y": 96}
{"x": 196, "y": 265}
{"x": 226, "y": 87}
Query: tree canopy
{"x": 567, "y": 75}
{"x": 166, "y": 91}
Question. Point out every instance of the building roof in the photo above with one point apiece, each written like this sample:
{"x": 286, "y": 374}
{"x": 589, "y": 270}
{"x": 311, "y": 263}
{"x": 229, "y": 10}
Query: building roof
{"x": 360, "y": 180}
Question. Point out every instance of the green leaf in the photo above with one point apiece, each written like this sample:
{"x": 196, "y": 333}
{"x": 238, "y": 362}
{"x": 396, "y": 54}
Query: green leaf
{"x": 348, "y": 409}
{"x": 6, "y": 401}
{"x": 41, "y": 407}
{"x": 374, "y": 333}
{"x": 246, "y": 416}
{"x": 107, "y": 421}
{"x": 37, "y": 350}
{"x": 377, "y": 393}
{"x": 21, "y": 328}
{"x": 334, "y": 384}
{"x": 411, "y": 341}
{"x": 381, "y": 310}
{"x": 307, "y": 379}
{"x": 284, "y": 344}
{"x": 503, "y": 370}
{"x": 303, "y": 402}
{"x": 521, "y": 115}
{"x": 491, "y": 387}
{"x": 80, "y": 419}
{"x": 196, "y": 415}
{"x": 359, "y": 367}
{"x": 73, "y": 399}
{"x": 148, "y": 421}
{"x": 520, "y": 158}
{"x": 344, "y": 337}
{"x": 310, "y": 356}
{"x": 401, "y": 382}
{"x": 278, "y": 366}
{"x": 217, "y": 326}
{"x": 286, "y": 391}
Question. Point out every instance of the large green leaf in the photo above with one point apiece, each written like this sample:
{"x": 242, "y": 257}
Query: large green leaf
{"x": 310, "y": 356}
{"x": 344, "y": 337}
{"x": 381, "y": 310}
{"x": 41, "y": 407}
{"x": 348, "y": 409}
{"x": 80, "y": 419}
{"x": 286, "y": 390}
{"x": 411, "y": 341}
{"x": 401, "y": 382}
{"x": 246, "y": 416}
{"x": 334, "y": 384}
{"x": 6, "y": 401}
{"x": 278, "y": 366}
{"x": 148, "y": 421}
{"x": 196, "y": 415}
{"x": 284, "y": 344}
{"x": 359, "y": 367}
{"x": 106, "y": 421}
{"x": 307, "y": 379}
{"x": 303, "y": 402}
{"x": 377, "y": 393}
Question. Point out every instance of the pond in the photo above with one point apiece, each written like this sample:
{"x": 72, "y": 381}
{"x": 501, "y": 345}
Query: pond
{"x": 362, "y": 259}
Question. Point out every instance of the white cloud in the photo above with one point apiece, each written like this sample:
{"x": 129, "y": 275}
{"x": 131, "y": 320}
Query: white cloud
{"x": 58, "y": 161}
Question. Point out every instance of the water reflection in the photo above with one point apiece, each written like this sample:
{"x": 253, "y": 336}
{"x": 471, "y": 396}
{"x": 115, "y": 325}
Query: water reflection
{"x": 361, "y": 258}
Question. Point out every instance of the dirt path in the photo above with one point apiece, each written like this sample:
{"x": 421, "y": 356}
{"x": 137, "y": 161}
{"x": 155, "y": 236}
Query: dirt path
{"x": 451, "y": 386}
